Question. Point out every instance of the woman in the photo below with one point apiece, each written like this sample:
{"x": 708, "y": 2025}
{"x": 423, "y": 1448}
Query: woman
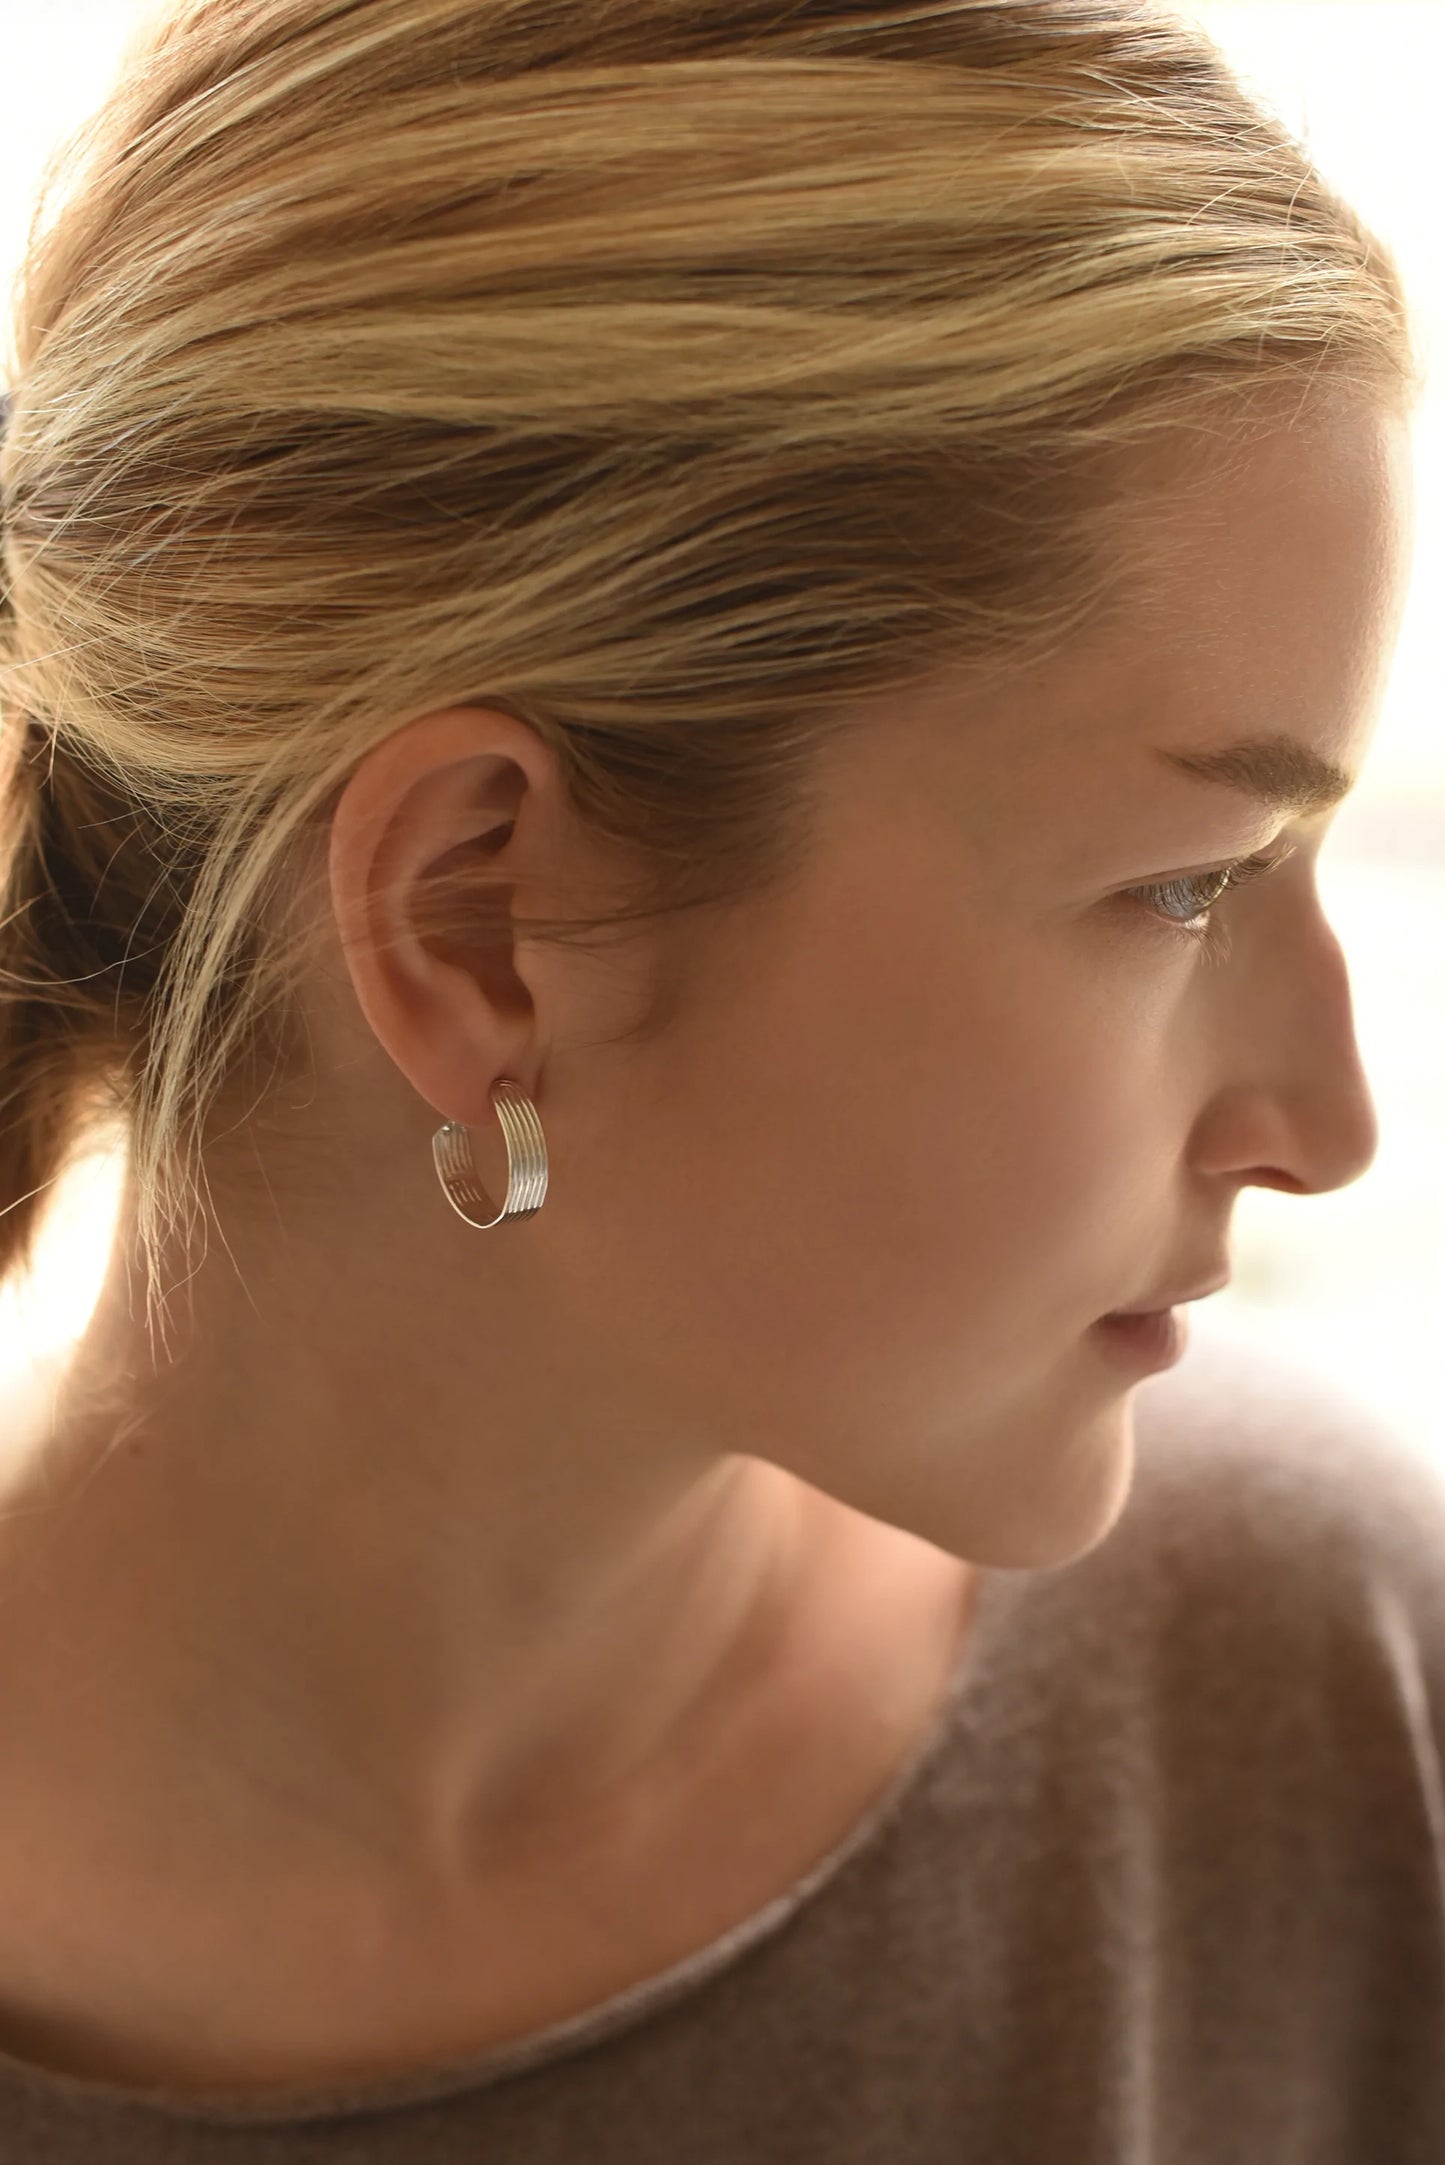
{"x": 663, "y": 634}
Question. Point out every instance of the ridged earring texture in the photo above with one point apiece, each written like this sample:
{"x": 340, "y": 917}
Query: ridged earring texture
{"x": 526, "y": 1161}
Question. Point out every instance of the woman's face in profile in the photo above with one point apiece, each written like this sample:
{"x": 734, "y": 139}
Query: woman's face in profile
{"x": 958, "y": 1094}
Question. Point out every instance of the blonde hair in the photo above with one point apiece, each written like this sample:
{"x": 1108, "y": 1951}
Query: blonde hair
{"x": 670, "y": 376}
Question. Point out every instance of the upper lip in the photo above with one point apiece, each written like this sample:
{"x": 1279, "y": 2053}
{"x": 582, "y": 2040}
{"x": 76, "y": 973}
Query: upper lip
{"x": 1175, "y": 1299}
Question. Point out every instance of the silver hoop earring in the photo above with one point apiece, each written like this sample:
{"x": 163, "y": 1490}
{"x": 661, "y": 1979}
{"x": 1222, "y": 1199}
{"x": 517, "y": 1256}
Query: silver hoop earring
{"x": 526, "y": 1160}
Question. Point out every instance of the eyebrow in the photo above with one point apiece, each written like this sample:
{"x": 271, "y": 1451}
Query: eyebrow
{"x": 1276, "y": 771}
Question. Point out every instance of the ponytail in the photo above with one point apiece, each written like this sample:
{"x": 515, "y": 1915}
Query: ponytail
{"x": 59, "y": 1062}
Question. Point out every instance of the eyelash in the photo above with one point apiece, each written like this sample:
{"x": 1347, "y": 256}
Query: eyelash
{"x": 1212, "y": 937}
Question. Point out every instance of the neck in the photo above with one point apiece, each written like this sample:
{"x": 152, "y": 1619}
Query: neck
{"x": 295, "y": 1576}
{"x": 344, "y": 1659}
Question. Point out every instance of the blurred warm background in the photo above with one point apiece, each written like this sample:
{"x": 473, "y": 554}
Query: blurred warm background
{"x": 1351, "y": 1284}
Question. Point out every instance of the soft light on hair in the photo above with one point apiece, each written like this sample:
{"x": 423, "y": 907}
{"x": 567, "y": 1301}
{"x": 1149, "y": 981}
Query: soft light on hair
{"x": 672, "y": 377}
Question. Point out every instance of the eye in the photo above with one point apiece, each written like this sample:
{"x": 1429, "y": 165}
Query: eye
{"x": 1197, "y": 924}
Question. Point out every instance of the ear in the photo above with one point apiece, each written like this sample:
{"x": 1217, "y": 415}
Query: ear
{"x": 462, "y": 790}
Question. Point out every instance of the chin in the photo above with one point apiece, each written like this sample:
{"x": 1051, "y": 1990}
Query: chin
{"x": 1052, "y": 1508}
{"x": 1082, "y": 1521}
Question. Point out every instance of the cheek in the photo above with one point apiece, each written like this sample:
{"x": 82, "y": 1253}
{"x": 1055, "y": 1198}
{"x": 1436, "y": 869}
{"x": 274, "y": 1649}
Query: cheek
{"x": 887, "y": 1169}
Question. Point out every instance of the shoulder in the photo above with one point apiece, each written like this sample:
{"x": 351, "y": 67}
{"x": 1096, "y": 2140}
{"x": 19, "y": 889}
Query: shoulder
{"x": 1254, "y": 1444}
{"x": 1267, "y": 1720}
{"x": 1288, "y": 1530}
